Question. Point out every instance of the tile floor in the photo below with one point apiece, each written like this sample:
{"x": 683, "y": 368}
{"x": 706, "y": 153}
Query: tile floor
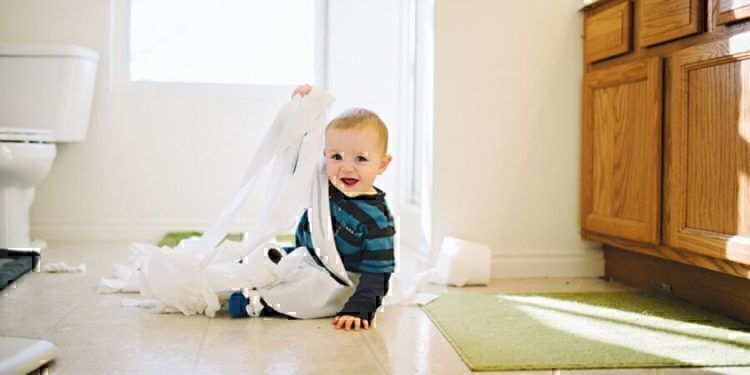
{"x": 97, "y": 336}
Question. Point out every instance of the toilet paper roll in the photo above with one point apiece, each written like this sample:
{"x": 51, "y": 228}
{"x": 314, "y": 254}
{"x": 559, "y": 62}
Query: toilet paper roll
{"x": 462, "y": 263}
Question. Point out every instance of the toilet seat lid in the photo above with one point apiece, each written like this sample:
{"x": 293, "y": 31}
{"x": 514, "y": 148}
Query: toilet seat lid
{"x": 26, "y": 135}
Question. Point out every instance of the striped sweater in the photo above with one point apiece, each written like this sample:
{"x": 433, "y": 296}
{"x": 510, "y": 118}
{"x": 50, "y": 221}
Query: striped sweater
{"x": 363, "y": 232}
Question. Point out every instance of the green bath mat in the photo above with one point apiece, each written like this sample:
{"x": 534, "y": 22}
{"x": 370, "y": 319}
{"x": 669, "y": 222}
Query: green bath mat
{"x": 587, "y": 330}
{"x": 172, "y": 239}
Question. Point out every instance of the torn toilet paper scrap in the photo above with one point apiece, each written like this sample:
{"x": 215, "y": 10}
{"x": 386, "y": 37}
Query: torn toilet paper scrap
{"x": 62, "y": 267}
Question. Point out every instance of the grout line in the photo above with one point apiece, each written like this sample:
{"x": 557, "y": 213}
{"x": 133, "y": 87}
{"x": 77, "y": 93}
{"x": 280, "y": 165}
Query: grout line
{"x": 56, "y": 324}
{"x": 202, "y": 343}
{"x": 374, "y": 355}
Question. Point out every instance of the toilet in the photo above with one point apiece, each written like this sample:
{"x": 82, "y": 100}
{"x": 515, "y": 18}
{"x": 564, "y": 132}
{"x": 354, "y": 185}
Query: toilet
{"x": 46, "y": 93}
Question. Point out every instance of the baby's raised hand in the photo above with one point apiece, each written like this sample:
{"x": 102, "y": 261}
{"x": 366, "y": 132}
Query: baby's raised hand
{"x": 302, "y": 90}
{"x": 347, "y": 322}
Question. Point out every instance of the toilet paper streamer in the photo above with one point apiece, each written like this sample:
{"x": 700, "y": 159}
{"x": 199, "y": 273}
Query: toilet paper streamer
{"x": 288, "y": 168}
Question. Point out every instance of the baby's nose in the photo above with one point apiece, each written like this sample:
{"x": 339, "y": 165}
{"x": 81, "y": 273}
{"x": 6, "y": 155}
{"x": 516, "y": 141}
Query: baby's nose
{"x": 347, "y": 167}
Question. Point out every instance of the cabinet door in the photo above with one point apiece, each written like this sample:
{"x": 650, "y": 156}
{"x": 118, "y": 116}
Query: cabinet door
{"x": 664, "y": 20}
{"x": 607, "y": 31}
{"x": 708, "y": 157}
{"x": 621, "y": 164}
{"x": 733, "y": 10}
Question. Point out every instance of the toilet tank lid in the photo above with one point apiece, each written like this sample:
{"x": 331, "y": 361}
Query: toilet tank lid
{"x": 26, "y": 135}
{"x": 48, "y": 50}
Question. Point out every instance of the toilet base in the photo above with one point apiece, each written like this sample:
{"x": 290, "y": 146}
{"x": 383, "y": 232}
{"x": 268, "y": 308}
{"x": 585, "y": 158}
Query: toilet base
{"x": 14, "y": 212}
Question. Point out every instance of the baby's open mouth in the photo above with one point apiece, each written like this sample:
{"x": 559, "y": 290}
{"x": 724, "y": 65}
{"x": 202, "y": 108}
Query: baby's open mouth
{"x": 349, "y": 181}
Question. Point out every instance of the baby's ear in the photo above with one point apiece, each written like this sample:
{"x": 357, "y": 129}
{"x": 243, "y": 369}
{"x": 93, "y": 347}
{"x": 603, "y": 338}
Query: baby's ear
{"x": 384, "y": 162}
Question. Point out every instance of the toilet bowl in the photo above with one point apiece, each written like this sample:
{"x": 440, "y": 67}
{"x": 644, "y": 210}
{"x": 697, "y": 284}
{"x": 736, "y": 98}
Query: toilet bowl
{"x": 46, "y": 97}
{"x": 26, "y": 156}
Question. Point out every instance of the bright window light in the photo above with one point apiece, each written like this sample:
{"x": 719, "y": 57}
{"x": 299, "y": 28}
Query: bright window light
{"x": 228, "y": 41}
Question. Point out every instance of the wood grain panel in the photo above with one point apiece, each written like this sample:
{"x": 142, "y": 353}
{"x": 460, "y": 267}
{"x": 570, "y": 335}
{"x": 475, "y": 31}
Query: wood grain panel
{"x": 607, "y": 31}
{"x": 708, "y": 157}
{"x": 618, "y": 157}
{"x": 711, "y": 195}
{"x": 733, "y": 11}
{"x": 664, "y": 20}
{"x": 621, "y": 163}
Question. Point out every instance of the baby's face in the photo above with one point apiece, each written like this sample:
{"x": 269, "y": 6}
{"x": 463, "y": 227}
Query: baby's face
{"x": 354, "y": 158}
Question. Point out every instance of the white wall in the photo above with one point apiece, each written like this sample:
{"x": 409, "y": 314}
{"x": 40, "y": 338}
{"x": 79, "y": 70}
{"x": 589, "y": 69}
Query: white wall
{"x": 507, "y": 133}
{"x": 161, "y": 157}
{"x": 507, "y": 129}
{"x": 156, "y": 156}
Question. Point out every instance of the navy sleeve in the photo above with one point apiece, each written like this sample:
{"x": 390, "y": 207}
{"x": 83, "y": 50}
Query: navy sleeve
{"x": 301, "y": 236}
{"x": 368, "y": 296}
{"x": 377, "y": 251}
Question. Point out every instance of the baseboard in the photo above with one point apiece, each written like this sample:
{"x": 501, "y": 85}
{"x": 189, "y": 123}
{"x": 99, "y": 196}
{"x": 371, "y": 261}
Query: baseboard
{"x": 114, "y": 232}
{"x": 505, "y": 263}
{"x": 712, "y": 290}
{"x": 525, "y": 264}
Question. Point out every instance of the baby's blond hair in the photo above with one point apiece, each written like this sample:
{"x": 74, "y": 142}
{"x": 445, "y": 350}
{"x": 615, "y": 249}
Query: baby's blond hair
{"x": 358, "y": 118}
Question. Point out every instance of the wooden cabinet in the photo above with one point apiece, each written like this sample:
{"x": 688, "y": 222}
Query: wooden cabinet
{"x": 664, "y": 20}
{"x": 666, "y": 148}
{"x": 665, "y": 178}
{"x": 622, "y": 150}
{"x": 732, "y": 10}
{"x": 708, "y": 179}
{"x": 608, "y": 31}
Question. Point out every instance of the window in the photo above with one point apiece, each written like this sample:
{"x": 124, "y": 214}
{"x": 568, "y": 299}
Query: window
{"x": 232, "y": 41}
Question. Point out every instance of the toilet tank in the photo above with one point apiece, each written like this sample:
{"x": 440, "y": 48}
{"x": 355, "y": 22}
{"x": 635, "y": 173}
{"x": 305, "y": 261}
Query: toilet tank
{"x": 47, "y": 87}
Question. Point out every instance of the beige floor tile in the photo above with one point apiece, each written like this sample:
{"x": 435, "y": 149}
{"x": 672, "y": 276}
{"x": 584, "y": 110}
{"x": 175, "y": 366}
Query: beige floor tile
{"x": 101, "y": 335}
{"x": 292, "y": 368}
{"x": 405, "y": 341}
{"x": 97, "y": 336}
{"x": 38, "y": 301}
{"x": 82, "y": 368}
{"x": 265, "y": 342}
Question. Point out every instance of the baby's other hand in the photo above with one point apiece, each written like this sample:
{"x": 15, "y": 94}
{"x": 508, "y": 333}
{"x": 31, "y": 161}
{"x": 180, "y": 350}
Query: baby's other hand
{"x": 302, "y": 90}
{"x": 348, "y": 322}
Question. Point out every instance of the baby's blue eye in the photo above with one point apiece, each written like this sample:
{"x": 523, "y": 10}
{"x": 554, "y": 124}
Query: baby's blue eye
{"x": 336, "y": 157}
{"x": 361, "y": 159}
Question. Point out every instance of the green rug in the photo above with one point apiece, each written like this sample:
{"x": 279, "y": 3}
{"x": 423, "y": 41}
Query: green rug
{"x": 587, "y": 330}
{"x": 172, "y": 239}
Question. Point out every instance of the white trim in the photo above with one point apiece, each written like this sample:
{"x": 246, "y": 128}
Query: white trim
{"x": 416, "y": 90}
{"x": 526, "y": 264}
{"x": 321, "y": 44}
{"x": 505, "y": 263}
{"x": 410, "y": 217}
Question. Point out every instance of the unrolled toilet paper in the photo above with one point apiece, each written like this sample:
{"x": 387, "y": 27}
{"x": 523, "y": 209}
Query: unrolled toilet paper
{"x": 462, "y": 263}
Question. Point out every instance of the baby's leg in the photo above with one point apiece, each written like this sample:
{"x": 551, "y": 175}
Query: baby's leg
{"x": 246, "y": 302}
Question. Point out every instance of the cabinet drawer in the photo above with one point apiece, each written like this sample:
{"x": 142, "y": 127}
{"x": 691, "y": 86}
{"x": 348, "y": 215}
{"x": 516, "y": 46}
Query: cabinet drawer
{"x": 664, "y": 20}
{"x": 733, "y": 10}
{"x": 607, "y": 31}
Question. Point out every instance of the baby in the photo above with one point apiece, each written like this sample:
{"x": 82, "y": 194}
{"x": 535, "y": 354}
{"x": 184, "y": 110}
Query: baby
{"x": 356, "y": 146}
